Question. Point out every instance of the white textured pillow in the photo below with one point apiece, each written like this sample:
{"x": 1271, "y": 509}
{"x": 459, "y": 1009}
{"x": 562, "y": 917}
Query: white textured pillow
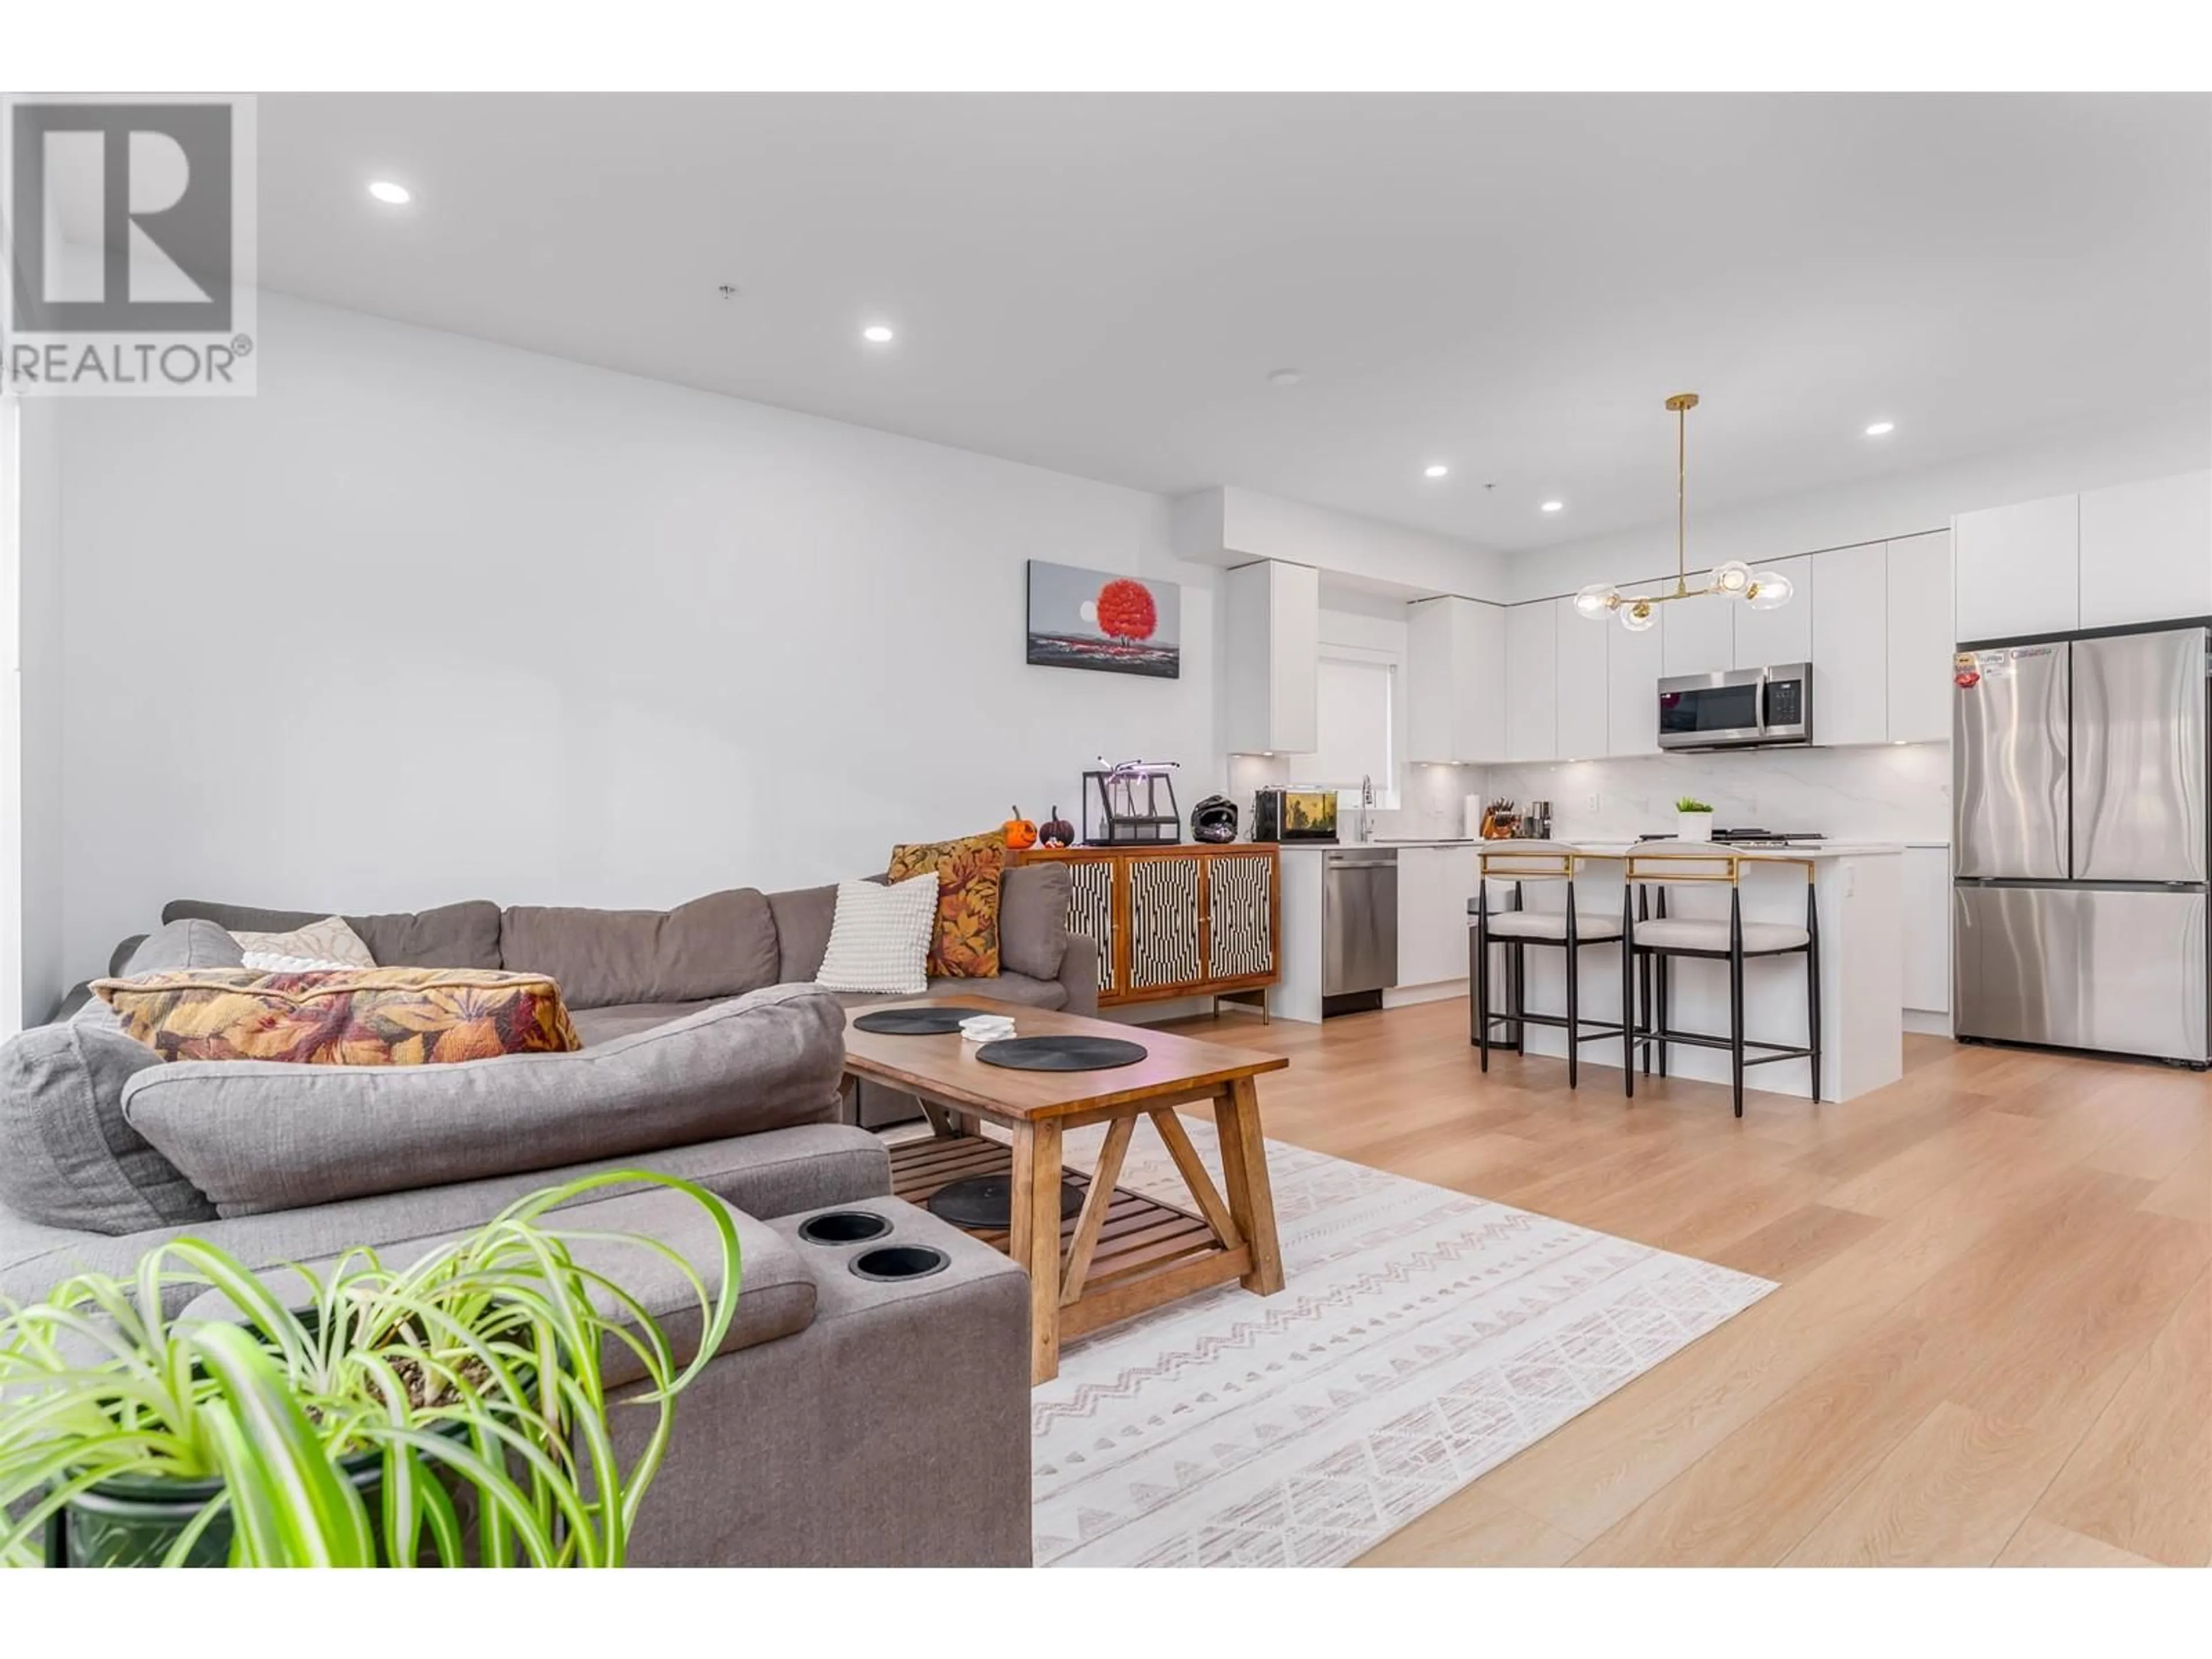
{"x": 325, "y": 943}
{"x": 879, "y": 940}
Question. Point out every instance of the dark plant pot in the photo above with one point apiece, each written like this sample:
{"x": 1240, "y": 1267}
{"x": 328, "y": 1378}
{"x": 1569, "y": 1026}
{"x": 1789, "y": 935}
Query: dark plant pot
{"x": 134, "y": 1521}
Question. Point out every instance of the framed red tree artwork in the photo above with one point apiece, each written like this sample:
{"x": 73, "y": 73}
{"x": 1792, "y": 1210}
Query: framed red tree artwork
{"x": 1100, "y": 620}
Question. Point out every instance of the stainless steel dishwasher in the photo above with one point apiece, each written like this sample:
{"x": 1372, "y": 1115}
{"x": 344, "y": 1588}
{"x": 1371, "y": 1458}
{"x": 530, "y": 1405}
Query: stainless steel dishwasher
{"x": 1359, "y": 927}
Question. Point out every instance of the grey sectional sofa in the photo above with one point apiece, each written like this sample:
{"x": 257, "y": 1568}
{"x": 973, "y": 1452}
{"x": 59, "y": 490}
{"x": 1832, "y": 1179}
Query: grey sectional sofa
{"x": 726, "y": 1063}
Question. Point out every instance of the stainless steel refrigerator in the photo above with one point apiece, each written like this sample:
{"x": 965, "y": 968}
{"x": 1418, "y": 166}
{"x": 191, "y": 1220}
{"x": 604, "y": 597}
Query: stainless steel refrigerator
{"x": 2080, "y": 852}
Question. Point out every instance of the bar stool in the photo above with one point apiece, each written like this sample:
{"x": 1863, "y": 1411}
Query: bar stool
{"x": 1568, "y": 930}
{"x": 1656, "y": 939}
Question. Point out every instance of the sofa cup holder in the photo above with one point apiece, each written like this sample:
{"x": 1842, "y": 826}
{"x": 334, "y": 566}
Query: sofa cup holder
{"x": 891, "y": 1263}
{"x": 844, "y": 1227}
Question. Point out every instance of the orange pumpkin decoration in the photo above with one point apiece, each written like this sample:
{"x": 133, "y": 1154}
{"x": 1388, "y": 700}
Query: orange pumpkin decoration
{"x": 1020, "y": 832}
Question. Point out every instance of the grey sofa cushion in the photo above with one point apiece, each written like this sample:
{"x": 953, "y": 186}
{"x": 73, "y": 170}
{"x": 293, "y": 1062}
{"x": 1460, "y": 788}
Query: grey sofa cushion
{"x": 192, "y": 943}
{"x": 67, "y": 1156}
{"x": 262, "y": 1135}
{"x": 464, "y": 935}
{"x": 722, "y": 946}
{"x": 775, "y": 1287}
{"x": 1004, "y": 987}
{"x": 1033, "y": 900}
{"x": 803, "y": 918}
{"x": 597, "y": 1025}
{"x": 763, "y": 1174}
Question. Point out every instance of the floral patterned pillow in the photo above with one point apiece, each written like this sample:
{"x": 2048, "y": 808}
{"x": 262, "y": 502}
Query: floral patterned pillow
{"x": 349, "y": 1017}
{"x": 968, "y": 870}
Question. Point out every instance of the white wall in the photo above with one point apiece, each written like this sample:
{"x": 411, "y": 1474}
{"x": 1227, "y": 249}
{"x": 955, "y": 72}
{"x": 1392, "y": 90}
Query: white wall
{"x": 431, "y": 619}
{"x": 31, "y": 830}
{"x": 1230, "y": 525}
{"x": 1892, "y": 506}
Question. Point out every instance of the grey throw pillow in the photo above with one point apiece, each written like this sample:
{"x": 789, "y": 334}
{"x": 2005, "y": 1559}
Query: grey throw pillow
{"x": 1033, "y": 900}
{"x": 192, "y": 943}
{"x": 67, "y": 1156}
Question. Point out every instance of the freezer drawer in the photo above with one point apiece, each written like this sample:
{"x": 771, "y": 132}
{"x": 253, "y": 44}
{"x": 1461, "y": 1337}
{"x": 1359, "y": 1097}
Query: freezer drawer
{"x": 2009, "y": 765}
{"x": 2139, "y": 753}
{"x": 2119, "y": 971}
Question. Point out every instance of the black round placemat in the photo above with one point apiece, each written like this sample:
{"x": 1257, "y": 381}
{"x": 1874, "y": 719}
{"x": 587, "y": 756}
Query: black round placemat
{"x": 1061, "y": 1053}
{"x": 913, "y": 1022}
{"x": 987, "y": 1201}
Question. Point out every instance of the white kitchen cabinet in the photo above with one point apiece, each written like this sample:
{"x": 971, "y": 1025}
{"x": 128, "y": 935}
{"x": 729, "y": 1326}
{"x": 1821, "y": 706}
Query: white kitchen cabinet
{"x": 1697, "y": 635}
{"x": 1916, "y": 602}
{"x": 1454, "y": 681}
{"x": 1782, "y": 636}
{"x": 1434, "y": 885}
{"x": 1632, "y": 666}
{"x": 1532, "y": 682}
{"x": 1583, "y": 696}
{"x": 2018, "y": 570}
{"x": 1272, "y": 651}
{"x": 2147, "y": 551}
{"x": 1924, "y": 877}
{"x": 1851, "y": 645}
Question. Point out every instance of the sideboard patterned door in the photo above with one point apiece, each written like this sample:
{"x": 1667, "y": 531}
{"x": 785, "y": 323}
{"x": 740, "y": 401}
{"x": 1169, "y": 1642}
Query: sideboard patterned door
{"x": 1240, "y": 935}
{"x": 1163, "y": 944}
{"x": 1090, "y": 913}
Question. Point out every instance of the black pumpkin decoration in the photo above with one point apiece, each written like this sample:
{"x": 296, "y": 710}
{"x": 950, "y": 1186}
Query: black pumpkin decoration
{"x": 1056, "y": 832}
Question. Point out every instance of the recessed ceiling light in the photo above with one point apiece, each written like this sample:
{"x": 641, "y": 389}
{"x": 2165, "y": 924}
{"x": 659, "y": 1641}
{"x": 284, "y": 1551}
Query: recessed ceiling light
{"x": 392, "y": 194}
{"x": 1437, "y": 471}
{"x": 877, "y": 334}
{"x": 1285, "y": 376}
{"x": 1881, "y": 428}
{"x": 1551, "y": 507}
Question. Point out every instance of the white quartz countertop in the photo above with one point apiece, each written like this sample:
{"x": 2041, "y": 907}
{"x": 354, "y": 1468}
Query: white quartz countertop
{"x": 1824, "y": 849}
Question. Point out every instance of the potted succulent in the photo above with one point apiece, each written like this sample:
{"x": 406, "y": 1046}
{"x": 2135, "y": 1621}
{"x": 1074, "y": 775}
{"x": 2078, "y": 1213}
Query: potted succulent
{"x": 1693, "y": 819}
{"x": 449, "y": 1411}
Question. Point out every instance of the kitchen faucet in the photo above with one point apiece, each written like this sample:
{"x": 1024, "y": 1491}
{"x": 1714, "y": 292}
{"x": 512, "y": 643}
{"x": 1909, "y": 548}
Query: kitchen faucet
{"x": 1367, "y": 807}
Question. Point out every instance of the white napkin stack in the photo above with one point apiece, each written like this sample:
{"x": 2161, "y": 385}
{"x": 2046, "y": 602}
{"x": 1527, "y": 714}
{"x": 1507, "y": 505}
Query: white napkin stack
{"x": 986, "y": 1028}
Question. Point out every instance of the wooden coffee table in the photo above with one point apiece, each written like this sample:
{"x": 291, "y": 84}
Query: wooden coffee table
{"x": 1125, "y": 1252}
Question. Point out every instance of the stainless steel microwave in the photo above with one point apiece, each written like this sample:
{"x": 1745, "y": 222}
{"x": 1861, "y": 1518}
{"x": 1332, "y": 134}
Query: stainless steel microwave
{"x": 1738, "y": 709}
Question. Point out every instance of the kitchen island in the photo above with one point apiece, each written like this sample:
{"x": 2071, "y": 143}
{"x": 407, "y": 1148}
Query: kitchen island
{"x": 1857, "y": 886}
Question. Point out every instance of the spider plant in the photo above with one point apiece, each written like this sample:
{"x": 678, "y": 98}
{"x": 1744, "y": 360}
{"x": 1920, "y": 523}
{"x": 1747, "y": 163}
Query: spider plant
{"x": 1692, "y": 804}
{"x": 471, "y": 1380}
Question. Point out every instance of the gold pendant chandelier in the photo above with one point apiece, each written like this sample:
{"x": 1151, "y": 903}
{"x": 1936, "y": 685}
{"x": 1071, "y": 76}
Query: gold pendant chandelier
{"x": 1762, "y": 590}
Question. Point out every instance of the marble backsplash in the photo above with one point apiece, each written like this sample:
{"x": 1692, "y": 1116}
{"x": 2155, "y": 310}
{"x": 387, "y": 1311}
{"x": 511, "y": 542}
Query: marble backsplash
{"x": 1897, "y": 791}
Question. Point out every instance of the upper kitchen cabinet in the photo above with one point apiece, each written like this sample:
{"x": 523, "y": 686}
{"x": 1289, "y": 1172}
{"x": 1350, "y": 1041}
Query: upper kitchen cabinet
{"x": 1272, "y": 649}
{"x": 1850, "y": 643}
{"x": 1780, "y": 635}
{"x": 2147, "y": 551}
{"x": 1454, "y": 680}
{"x": 1696, "y": 635}
{"x": 1921, "y": 637}
{"x": 2018, "y": 570}
{"x": 1583, "y": 708}
{"x": 1532, "y": 682}
{"x": 1632, "y": 665}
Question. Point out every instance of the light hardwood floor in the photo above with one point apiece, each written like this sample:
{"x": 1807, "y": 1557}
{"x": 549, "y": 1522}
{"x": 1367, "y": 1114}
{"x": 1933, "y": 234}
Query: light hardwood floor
{"x": 1993, "y": 1338}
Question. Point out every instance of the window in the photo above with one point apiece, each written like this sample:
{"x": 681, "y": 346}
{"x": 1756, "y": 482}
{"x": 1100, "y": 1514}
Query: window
{"x": 1357, "y": 708}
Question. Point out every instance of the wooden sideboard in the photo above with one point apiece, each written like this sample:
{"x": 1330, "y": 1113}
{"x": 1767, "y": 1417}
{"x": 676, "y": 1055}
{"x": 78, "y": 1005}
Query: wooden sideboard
{"x": 1200, "y": 920}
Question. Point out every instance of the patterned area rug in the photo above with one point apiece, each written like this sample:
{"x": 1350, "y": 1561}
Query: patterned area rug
{"x": 1423, "y": 1337}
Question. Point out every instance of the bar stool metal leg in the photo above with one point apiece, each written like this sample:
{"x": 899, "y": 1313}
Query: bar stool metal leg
{"x": 1812, "y": 985}
{"x": 1479, "y": 946}
{"x": 1735, "y": 997}
{"x": 1628, "y": 1007}
{"x": 1574, "y": 1007}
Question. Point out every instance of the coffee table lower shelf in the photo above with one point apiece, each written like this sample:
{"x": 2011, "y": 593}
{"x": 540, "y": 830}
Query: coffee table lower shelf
{"x": 1148, "y": 1253}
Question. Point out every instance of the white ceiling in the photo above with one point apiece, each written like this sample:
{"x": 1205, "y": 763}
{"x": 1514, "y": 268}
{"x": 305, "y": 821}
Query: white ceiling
{"x": 1510, "y": 284}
